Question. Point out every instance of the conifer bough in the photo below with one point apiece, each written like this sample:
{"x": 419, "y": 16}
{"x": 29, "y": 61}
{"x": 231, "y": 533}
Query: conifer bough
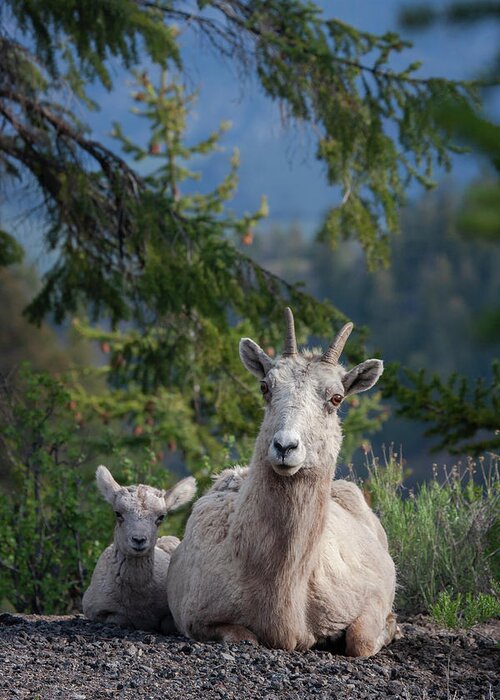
{"x": 135, "y": 248}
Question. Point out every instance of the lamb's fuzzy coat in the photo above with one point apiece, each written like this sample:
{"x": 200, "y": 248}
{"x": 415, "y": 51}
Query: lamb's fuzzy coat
{"x": 128, "y": 587}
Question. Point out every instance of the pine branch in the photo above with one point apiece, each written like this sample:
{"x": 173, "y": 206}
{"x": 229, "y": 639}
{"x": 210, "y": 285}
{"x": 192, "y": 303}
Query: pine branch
{"x": 455, "y": 410}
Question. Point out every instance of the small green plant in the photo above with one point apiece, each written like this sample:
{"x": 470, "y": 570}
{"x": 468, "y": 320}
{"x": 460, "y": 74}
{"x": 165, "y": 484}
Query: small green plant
{"x": 53, "y": 520}
{"x": 50, "y": 519}
{"x": 441, "y": 534}
{"x": 464, "y": 611}
{"x": 446, "y": 609}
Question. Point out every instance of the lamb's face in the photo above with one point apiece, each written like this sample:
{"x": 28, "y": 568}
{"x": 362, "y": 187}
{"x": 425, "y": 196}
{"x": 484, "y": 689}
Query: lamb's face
{"x": 139, "y": 511}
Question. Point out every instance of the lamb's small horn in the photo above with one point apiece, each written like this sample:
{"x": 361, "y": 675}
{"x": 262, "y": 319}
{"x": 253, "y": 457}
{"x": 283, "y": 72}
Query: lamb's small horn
{"x": 290, "y": 340}
{"x": 337, "y": 345}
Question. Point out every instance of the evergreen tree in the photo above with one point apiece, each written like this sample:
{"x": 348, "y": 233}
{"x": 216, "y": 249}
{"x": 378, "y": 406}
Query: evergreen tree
{"x": 157, "y": 273}
{"x": 322, "y": 71}
{"x": 163, "y": 269}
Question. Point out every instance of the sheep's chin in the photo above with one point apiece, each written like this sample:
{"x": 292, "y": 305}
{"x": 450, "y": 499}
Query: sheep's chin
{"x": 286, "y": 471}
{"x": 138, "y": 553}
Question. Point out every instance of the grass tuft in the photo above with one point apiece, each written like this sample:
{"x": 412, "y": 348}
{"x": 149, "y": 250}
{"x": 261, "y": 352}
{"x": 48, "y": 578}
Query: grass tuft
{"x": 443, "y": 537}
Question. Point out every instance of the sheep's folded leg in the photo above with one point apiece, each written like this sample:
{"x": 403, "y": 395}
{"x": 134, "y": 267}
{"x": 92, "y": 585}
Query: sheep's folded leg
{"x": 230, "y": 633}
{"x": 113, "y": 618}
{"x": 366, "y": 636}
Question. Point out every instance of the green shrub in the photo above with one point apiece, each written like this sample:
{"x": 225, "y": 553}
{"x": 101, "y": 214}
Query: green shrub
{"x": 464, "y": 611}
{"x": 50, "y": 520}
{"x": 441, "y": 535}
{"x": 54, "y": 523}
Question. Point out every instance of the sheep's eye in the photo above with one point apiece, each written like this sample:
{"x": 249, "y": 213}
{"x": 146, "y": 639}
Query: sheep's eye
{"x": 119, "y": 516}
{"x": 336, "y": 399}
{"x": 160, "y": 519}
{"x": 264, "y": 388}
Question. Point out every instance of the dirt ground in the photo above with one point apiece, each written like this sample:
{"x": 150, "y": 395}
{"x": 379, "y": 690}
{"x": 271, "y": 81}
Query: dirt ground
{"x": 70, "y": 658}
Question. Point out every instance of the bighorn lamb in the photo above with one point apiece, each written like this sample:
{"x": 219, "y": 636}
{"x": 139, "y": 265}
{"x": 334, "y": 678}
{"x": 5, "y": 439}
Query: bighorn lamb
{"x": 128, "y": 586}
{"x": 279, "y": 553}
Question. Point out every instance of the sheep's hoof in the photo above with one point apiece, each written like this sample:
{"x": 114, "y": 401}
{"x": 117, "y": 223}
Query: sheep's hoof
{"x": 234, "y": 634}
{"x": 362, "y": 638}
{"x": 393, "y": 630}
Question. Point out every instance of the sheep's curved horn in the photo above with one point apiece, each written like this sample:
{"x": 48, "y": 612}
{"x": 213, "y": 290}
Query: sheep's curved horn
{"x": 337, "y": 345}
{"x": 290, "y": 340}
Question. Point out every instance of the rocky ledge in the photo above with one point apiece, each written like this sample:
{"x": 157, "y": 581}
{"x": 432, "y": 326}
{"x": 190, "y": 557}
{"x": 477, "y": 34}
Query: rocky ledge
{"x": 70, "y": 658}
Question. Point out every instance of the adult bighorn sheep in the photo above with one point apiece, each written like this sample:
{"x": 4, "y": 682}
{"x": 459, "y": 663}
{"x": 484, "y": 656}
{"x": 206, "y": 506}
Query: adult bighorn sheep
{"x": 279, "y": 553}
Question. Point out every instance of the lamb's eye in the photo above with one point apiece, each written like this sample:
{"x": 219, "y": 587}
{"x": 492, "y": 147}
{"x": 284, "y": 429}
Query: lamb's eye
{"x": 160, "y": 519}
{"x": 264, "y": 388}
{"x": 119, "y": 516}
{"x": 336, "y": 399}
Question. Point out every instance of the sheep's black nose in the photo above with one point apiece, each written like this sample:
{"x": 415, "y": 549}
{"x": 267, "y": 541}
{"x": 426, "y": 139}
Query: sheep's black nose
{"x": 139, "y": 541}
{"x": 283, "y": 450}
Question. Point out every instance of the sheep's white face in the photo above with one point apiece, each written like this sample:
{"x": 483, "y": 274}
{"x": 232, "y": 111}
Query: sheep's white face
{"x": 301, "y": 423}
{"x": 140, "y": 510}
{"x": 301, "y": 428}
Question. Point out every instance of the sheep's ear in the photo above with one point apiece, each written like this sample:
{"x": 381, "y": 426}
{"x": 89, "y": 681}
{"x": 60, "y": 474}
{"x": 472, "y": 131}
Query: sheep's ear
{"x": 254, "y": 358}
{"x": 362, "y": 377}
{"x": 106, "y": 484}
{"x": 181, "y": 493}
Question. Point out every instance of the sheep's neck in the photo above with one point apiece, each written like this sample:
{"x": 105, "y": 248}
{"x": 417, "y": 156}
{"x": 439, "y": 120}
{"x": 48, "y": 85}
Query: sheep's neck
{"x": 277, "y": 537}
{"x": 281, "y": 520}
{"x": 135, "y": 572}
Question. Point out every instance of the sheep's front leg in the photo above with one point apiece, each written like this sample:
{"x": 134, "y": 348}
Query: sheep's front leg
{"x": 114, "y": 618}
{"x": 230, "y": 633}
{"x": 368, "y": 634}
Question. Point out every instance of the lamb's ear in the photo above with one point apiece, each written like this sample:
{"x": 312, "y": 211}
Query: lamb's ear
{"x": 254, "y": 358}
{"x": 181, "y": 493}
{"x": 362, "y": 377}
{"x": 106, "y": 484}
